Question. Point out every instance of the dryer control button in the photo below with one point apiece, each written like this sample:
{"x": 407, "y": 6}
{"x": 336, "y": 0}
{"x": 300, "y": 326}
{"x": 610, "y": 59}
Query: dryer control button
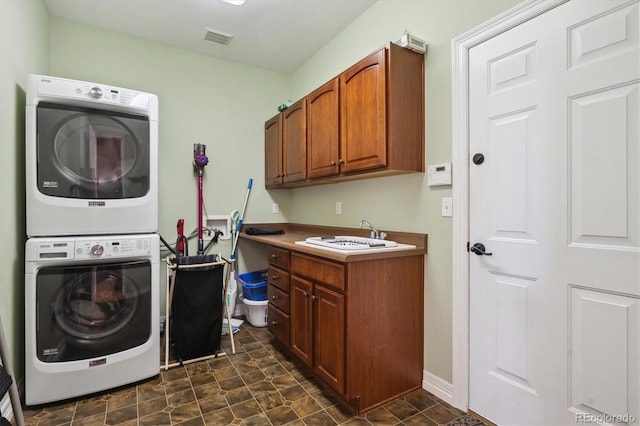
{"x": 97, "y": 250}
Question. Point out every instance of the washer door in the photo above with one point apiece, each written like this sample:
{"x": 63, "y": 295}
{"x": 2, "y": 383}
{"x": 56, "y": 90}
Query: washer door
{"x": 91, "y": 154}
{"x": 91, "y": 311}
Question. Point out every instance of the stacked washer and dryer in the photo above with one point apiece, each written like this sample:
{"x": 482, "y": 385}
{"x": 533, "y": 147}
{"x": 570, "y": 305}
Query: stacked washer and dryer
{"x": 92, "y": 255}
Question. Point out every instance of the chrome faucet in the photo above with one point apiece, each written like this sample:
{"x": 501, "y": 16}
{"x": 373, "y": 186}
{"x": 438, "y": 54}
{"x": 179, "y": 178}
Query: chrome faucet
{"x": 374, "y": 232}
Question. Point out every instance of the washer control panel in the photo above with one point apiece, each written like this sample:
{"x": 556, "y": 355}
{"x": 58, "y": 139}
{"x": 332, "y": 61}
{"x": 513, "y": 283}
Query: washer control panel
{"x": 86, "y": 248}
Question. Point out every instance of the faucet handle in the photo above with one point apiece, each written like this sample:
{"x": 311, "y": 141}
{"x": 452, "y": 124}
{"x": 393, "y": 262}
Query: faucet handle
{"x": 383, "y": 235}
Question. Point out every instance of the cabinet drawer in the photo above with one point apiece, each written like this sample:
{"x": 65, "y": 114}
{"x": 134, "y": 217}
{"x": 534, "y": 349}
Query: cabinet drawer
{"x": 278, "y": 278}
{"x": 278, "y": 324}
{"x": 328, "y": 273}
{"x": 278, "y": 298}
{"x": 278, "y": 257}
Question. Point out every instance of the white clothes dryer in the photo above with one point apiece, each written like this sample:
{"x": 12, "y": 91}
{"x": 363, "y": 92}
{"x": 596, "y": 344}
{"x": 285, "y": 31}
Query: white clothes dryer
{"x": 92, "y": 318}
{"x": 91, "y": 159}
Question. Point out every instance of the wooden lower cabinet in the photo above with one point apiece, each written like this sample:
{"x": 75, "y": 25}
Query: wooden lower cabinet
{"x": 328, "y": 342}
{"x": 302, "y": 324}
{"x": 317, "y": 330}
{"x": 357, "y": 325}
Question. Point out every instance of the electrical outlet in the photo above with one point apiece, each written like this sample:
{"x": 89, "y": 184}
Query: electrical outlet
{"x": 338, "y": 207}
{"x": 275, "y": 209}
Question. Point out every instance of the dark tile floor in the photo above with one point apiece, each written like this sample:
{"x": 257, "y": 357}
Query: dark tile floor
{"x": 259, "y": 385}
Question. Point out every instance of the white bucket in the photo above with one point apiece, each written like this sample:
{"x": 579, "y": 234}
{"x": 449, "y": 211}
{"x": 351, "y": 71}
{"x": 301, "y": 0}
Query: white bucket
{"x": 232, "y": 292}
{"x": 256, "y": 311}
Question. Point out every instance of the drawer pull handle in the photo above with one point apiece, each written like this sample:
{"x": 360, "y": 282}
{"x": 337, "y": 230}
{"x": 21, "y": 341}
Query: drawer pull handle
{"x": 274, "y": 322}
{"x": 275, "y": 277}
{"x": 274, "y": 256}
{"x": 274, "y": 297}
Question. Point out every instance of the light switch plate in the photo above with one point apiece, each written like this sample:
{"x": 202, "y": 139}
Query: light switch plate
{"x": 447, "y": 207}
{"x": 439, "y": 174}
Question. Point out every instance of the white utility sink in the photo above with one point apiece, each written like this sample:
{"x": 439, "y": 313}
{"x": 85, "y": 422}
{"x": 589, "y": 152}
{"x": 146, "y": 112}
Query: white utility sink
{"x": 348, "y": 243}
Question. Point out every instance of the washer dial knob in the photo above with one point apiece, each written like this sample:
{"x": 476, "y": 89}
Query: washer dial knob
{"x": 97, "y": 250}
{"x": 95, "y": 92}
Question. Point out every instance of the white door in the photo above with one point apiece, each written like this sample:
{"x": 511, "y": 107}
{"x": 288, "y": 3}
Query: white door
{"x": 555, "y": 309}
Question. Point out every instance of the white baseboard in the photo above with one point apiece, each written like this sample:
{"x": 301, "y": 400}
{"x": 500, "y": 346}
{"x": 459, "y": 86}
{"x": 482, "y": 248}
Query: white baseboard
{"x": 437, "y": 386}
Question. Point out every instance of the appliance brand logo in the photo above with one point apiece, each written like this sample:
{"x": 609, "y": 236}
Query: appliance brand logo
{"x": 49, "y": 184}
{"x": 97, "y": 362}
{"x": 49, "y": 352}
{"x": 97, "y": 204}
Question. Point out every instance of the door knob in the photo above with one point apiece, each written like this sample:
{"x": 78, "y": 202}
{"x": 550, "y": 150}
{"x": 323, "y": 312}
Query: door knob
{"x": 479, "y": 249}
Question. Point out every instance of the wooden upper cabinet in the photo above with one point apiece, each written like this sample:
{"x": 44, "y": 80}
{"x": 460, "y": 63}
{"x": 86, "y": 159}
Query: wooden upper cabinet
{"x": 273, "y": 151}
{"x": 368, "y": 121}
{"x": 382, "y": 112}
{"x": 323, "y": 131}
{"x": 363, "y": 142}
{"x": 294, "y": 142}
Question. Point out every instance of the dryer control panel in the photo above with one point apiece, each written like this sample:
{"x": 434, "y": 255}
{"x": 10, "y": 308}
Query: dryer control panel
{"x": 66, "y": 91}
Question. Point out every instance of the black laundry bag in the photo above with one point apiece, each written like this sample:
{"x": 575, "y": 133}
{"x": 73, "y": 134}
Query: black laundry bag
{"x": 196, "y": 309}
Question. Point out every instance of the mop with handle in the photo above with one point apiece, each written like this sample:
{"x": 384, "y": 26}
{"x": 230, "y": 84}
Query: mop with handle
{"x": 237, "y": 217}
{"x": 239, "y": 226}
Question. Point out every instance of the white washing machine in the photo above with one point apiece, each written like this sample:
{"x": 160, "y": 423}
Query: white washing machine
{"x": 91, "y": 158}
{"x": 92, "y": 318}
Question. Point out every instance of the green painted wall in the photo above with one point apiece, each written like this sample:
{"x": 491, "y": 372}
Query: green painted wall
{"x": 24, "y": 49}
{"x": 402, "y": 203}
{"x": 224, "y": 105}
{"x": 202, "y": 100}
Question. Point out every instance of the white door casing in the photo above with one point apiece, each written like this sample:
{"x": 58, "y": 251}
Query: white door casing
{"x": 553, "y": 105}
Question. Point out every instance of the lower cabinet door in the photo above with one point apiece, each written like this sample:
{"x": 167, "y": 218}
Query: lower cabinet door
{"x": 278, "y": 324}
{"x": 329, "y": 342}
{"x": 301, "y": 319}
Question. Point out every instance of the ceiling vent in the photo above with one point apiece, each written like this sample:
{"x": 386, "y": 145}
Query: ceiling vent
{"x": 217, "y": 36}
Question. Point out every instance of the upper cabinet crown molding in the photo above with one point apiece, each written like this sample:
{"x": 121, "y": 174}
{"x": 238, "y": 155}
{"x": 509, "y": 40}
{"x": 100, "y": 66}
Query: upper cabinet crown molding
{"x": 367, "y": 122}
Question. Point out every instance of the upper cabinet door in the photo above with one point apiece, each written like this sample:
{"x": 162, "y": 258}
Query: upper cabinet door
{"x": 294, "y": 142}
{"x": 363, "y": 114}
{"x": 323, "y": 130}
{"x": 273, "y": 151}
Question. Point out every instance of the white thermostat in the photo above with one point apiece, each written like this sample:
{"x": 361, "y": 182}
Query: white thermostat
{"x": 439, "y": 174}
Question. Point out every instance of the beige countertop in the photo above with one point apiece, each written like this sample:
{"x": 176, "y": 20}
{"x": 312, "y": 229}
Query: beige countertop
{"x": 410, "y": 244}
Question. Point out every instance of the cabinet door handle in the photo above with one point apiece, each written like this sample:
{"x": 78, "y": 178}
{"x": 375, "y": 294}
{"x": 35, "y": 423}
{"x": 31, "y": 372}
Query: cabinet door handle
{"x": 314, "y": 297}
{"x": 341, "y": 161}
{"x": 306, "y": 294}
{"x": 274, "y": 297}
{"x": 333, "y": 163}
{"x": 274, "y": 256}
{"x": 274, "y": 322}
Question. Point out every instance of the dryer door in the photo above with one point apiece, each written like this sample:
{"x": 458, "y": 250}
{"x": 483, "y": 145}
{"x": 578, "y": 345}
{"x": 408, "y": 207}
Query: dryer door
{"x": 90, "y": 311}
{"x": 91, "y": 154}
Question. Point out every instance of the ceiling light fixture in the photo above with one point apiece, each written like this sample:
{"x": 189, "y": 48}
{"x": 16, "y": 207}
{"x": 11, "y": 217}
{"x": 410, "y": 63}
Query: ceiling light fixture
{"x": 234, "y": 2}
